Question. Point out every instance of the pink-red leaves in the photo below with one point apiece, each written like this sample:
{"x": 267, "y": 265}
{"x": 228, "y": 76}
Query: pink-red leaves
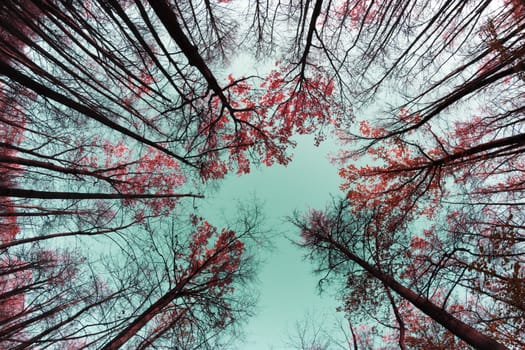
{"x": 214, "y": 254}
{"x": 262, "y": 121}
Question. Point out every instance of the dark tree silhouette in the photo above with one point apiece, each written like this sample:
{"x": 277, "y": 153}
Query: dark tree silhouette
{"x": 102, "y": 126}
{"x": 437, "y": 172}
{"x": 355, "y": 248}
{"x": 188, "y": 280}
{"x": 114, "y": 112}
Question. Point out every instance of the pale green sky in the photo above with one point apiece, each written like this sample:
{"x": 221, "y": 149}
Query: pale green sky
{"x": 287, "y": 285}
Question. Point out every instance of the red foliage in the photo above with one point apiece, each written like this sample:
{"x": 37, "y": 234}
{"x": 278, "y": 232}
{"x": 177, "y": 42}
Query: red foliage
{"x": 14, "y": 275}
{"x": 205, "y": 274}
{"x": 423, "y": 333}
{"x": 12, "y": 122}
{"x": 19, "y": 24}
{"x": 361, "y": 11}
{"x": 286, "y": 106}
{"x": 517, "y": 8}
{"x": 219, "y": 260}
{"x": 150, "y": 172}
{"x": 411, "y": 174}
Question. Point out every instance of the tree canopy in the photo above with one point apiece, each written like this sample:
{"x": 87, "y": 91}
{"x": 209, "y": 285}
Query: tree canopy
{"x": 116, "y": 114}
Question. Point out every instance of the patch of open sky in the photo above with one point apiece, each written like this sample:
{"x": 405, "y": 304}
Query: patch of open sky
{"x": 287, "y": 287}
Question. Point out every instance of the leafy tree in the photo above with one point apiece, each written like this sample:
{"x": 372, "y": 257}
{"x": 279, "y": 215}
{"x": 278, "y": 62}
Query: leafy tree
{"x": 166, "y": 286}
{"x": 98, "y": 138}
{"x": 113, "y": 112}
{"x": 445, "y": 155}
{"x": 353, "y": 246}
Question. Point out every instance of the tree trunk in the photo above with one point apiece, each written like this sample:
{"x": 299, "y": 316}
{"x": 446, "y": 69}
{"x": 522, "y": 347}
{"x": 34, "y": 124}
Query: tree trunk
{"x": 22, "y": 193}
{"x": 117, "y": 342}
{"x": 454, "y": 325}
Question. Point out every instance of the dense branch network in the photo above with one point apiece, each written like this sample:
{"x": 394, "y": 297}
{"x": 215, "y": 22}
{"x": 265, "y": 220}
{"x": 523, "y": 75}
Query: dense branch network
{"x": 113, "y": 112}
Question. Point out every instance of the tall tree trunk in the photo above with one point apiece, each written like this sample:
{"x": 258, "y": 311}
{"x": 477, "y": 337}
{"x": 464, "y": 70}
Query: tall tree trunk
{"x": 155, "y": 308}
{"x": 454, "y": 325}
{"x": 22, "y": 193}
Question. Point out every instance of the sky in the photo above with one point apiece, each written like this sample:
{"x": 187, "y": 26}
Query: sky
{"x": 287, "y": 286}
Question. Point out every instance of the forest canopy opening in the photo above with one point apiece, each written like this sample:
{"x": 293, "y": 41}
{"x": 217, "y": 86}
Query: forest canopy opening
{"x": 118, "y": 116}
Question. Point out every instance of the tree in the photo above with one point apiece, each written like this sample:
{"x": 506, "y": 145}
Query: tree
{"x": 199, "y": 287}
{"x": 445, "y": 154}
{"x": 355, "y": 247}
{"x": 316, "y": 332}
{"x": 90, "y": 122}
{"x": 371, "y": 47}
{"x": 98, "y": 138}
{"x": 168, "y": 282}
{"x": 113, "y": 112}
